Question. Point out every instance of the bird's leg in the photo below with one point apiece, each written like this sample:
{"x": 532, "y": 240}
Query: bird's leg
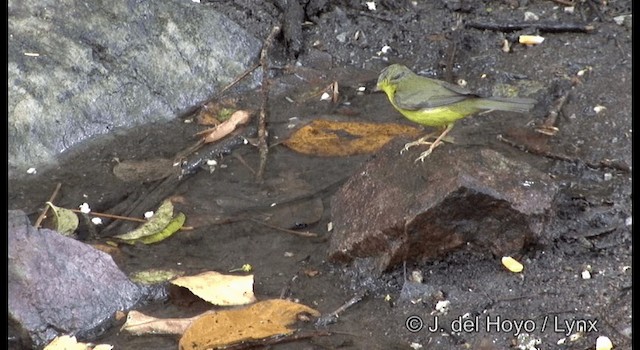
{"x": 418, "y": 142}
{"x": 434, "y": 144}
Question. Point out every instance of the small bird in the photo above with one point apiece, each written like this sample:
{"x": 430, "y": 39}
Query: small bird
{"x": 437, "y": 103}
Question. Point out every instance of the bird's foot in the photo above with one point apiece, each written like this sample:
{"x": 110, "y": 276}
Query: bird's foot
{"x": 414, "y": 143}
{"x": 426, "y": 153}
{"x": 418, "y": 142}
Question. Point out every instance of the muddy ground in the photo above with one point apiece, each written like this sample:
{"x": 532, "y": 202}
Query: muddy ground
{"x": 589, "y": 157}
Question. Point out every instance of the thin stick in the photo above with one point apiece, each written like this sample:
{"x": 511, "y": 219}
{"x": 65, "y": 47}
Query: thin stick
{"x": 237, "y": 79}
{"x": 46, "y": 208}
{"x": 552, "y": 27}
{"x": 298, "y": 233}
{"x": 606, "y": 163}
{"x": 262, "y": 119}
{"x": 118, "y": 217}
{"x": 268, "y": 342}
{"x": 333, "y": 317}
{"x": 109, "y": 216}
{"x": 548, "y": 125}
{"x": 565, "y": 3}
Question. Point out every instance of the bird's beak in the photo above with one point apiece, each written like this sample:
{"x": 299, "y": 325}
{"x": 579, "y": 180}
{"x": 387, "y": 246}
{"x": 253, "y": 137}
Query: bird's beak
{"x": 376, "y": 88}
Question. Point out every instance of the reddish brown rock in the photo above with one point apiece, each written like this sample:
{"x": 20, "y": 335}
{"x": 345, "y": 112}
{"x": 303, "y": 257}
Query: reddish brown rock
{"x": 393, "y": 209}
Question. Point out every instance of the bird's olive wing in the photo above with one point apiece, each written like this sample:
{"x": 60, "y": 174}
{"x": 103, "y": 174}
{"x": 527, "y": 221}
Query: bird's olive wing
{"x": 421, "y": 92}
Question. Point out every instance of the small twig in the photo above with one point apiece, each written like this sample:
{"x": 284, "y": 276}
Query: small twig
{"x": 237, "y": 79}
{"x": 549, "y": 27}
{"x": 333, "y": 317}
{"x": 46, "y": 208}
{"x": 286, "y": 290}
{"x": 298, "y": 233}
{"x": 268, "y": 342}
{"x": 109, "y": 216}
{"x": 595, "y": 9}
{"x": 564, "y": 2}
{"x": 548, "y": 125}
{"x": 262, "y": 119}
{"x": 243, "y": 162}
{"x": 602, "y": 164}
{"x": 118, "y": 217}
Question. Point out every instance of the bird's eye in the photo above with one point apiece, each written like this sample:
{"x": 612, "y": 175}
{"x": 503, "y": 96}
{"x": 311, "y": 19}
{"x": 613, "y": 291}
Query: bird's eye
{"x": 397, "y": 76}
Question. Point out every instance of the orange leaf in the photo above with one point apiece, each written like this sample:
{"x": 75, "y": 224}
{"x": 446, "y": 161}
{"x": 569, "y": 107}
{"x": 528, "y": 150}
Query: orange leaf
{"x": 335, "y": 138}
{"x": 258, "y": 321}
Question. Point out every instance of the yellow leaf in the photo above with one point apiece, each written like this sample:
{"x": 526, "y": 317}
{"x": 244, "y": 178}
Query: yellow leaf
{"x": 64, "y": 220}
{"x": 153, "y": 276}
{"x": 261, "y": 320}
{"x": 219, "y": 289}
{"x": 67, "y": 342}
{"x": 335, "y": 138}
{"x": 138, "y": 323}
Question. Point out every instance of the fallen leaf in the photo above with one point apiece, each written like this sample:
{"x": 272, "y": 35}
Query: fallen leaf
{"x": 335, "y": 138}
{"x": 161, "y": 226}
{"x": 67, "y": 342}
{"x": 237, "y": 118}
{"x": 219, "y": 289}
{"x": 138, "y": 323}
{"x": 215, "y": 112}
{"x": 153, "y": 276}
{"x": 144, "y": 171}
{"x": 227, "y": 327}
{"x": 64, "y": 220}
{"x": 172, "y": 227}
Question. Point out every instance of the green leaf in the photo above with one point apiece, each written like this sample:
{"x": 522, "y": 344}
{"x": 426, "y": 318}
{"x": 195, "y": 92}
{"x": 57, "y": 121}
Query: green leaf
{"x": 172, "y": 228}
{"x": 157, "y": 223}
{"x": 64, "y": 220}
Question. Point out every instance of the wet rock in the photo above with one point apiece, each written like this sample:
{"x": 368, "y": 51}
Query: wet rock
{"x": 78, "y": 69}
{"x": 393, "y": 209}
{"x": 58, "y": 285}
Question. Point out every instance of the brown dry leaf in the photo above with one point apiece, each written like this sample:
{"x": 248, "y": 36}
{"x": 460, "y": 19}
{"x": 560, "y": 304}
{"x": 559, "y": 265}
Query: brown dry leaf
{"x": 261, "y": 320}
{"x": 143, "y": 171}
{"x": 237, "y": 118}
{"x": 219, "y": 289}
{"x": 334, "y": 138}
{"x": 215, "y": 112}
{"x": 67, "y": 342}
{"x": 140, "y": 324}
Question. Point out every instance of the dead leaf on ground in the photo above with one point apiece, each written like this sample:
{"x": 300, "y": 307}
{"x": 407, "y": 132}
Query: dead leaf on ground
{"x": 219, "y": 289}
{"x": 162, "y": 225}
{"x": 144, "y": 171}
{"x": 261, "y": 320}
{"x": 214, "y": 134}
{"x": 335, "y": 138}
{"x": 67, "y": 342}
{"x": 215, "y": 112}
{"x": 64, "y": 221}
{"x": 153, "y": 276}
{"x": 140, "y": 324}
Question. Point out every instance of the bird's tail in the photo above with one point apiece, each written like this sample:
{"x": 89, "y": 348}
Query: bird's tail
{"x": 509, "y": 104}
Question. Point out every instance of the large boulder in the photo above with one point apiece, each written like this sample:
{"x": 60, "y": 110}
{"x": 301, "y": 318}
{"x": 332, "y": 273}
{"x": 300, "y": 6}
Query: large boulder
{"x": 78, "y": 69}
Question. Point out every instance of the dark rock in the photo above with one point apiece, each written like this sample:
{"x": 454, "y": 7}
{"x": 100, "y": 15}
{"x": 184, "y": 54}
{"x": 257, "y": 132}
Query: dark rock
{"x": 58, "y": 285}
{"x": 394, "y": 210}
{"x": 78, "y": 69}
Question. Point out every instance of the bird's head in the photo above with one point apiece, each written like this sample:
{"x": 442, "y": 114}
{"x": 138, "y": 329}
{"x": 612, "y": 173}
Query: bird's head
{"x": 390, "y": 77}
